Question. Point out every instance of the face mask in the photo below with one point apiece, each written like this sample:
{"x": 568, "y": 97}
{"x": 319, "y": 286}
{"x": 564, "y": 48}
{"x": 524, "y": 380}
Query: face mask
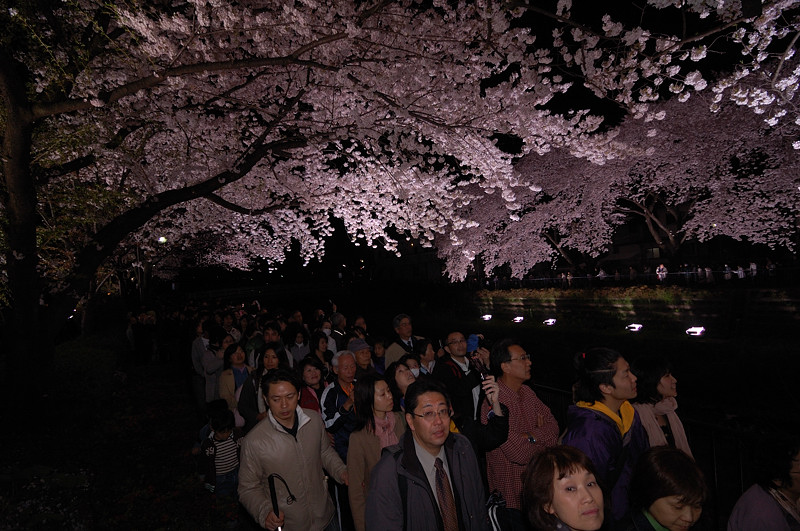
{"x": 415, "y": 372}
{"x": 327, "y": 331}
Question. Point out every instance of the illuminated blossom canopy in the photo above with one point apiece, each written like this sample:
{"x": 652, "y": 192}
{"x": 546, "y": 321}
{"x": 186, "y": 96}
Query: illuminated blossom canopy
{"x": 724, "y": 174}
{"x": 252, "y": 124}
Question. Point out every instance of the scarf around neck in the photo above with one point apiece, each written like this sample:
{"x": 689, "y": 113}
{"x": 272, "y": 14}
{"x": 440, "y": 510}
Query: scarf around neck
{"x": 655, "y": 435}
{"x": 624, "y": 420}
{"x": 384, "y": 430}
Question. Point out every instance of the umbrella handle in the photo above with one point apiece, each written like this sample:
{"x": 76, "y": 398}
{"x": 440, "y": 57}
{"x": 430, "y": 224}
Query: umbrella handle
{"x": 274, "y": 496}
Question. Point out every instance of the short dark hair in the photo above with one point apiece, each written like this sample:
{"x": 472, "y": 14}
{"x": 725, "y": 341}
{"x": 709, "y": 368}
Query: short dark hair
{"x": 312, "y": 360}
{"x": 399, "y": 317}
{"x": 773, "y": 460}
{"x": 208, "y": 325}
{"x": 595, "y": 367}
{"x": 272, "y": 325}
{"x": 537, "y": 481}
{"x": 389, "y": 374}
{"x": 277, "y": 376}
{"x": 216, "y": 335}
{"x": 664, "y": 471}
{"x": 313, "y": 343}
{"x": 364, "y": 399}
{"x": 337, "y": 319}
{"x": 421, "y": 386}
{"x": 216, "y": 406}
{"x": 226, "y": 357}
{"x": 223, "y": 420}
{"x": 420, "y": 346}
{"x": 403, "y": 360}
{"x": 648, "y": 371}
{"x": 500, "y": 355}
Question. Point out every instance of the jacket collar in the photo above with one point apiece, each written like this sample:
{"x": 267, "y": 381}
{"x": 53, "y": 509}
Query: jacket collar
{"x": 411, "y": 467}
{"x": 302, "y": 420}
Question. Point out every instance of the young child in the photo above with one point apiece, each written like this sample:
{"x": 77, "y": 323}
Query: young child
{"x": 221, "y": 452}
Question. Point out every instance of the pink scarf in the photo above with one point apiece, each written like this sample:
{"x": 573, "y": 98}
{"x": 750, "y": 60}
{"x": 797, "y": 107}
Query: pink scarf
{"x": 648, "y": 416}
{"x": 384, "y": 429}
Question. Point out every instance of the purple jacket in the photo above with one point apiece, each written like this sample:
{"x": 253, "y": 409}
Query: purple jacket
{"x": 612, "y": 455}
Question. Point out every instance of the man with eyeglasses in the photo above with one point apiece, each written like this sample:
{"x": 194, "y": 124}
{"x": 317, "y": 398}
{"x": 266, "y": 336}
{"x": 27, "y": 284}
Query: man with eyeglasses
{"x": 467, "y": 391}
{"x": 532, "y": 427}
{"x": 430, "y": 481}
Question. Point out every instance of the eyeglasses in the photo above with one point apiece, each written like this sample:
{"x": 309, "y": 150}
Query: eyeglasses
{"x": 429, "y": 416}
{"x": 524, "y": 357}
{"x": 456, "y": 341}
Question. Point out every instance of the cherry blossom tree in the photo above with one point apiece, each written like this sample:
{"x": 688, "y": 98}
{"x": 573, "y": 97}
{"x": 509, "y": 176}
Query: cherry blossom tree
{"x": 259, "y": 121}
{"x": 687, "y": 174}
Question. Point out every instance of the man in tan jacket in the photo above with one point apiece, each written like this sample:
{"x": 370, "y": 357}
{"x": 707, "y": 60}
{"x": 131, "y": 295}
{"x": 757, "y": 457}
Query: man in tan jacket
{"x": 291, "y": 445}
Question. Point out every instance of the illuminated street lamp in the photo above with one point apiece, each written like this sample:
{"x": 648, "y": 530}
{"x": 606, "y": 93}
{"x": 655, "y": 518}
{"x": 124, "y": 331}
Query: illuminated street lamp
{"x": 696, "y": 331}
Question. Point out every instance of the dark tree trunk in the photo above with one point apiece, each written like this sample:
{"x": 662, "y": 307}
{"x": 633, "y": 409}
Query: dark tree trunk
{"x": 26, "y": 339}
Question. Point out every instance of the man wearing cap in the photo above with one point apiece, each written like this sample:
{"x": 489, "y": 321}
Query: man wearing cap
{"x": 363, "y": 355}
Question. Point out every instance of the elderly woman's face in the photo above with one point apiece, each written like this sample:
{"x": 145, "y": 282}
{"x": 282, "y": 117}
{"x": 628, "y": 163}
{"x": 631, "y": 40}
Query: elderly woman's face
{"x": 577, "y": 500}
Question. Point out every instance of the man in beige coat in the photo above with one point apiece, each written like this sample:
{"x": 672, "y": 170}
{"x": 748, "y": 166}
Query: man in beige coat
{"x": 291, "y": 443}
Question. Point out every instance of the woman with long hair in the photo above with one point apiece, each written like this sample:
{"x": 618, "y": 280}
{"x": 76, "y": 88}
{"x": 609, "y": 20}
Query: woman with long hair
{"x": 234, "y": 374}
{"x": 377, "y": 426}
{"x": 399, "y": 377}
{"x": 313, "y": 384}
{"x": 318, "y": 347}
{"x": 656, "y": 404}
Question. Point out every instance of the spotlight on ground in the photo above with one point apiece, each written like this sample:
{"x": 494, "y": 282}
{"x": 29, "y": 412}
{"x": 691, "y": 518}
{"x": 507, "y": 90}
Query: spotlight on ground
{"x": 696, "y": 331}
{"x": 549, "y": 322}
{"x": 518, "y": 319}
{"x": 633, "y": 327}
{"x": 486, "y": 317}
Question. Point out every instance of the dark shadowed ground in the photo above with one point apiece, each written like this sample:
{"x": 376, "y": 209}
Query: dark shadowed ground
{"x": 107, "y": 450}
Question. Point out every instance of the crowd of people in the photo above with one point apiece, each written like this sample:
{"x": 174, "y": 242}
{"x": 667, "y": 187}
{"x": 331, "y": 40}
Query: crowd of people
{"x": 324, "y": 426}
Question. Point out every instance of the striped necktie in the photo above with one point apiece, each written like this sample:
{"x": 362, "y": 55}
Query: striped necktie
{"x": 447, "y": 504}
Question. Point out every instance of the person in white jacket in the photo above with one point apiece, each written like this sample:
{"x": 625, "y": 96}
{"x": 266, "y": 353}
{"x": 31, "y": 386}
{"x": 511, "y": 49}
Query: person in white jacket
{"x": 290, "y": 445}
